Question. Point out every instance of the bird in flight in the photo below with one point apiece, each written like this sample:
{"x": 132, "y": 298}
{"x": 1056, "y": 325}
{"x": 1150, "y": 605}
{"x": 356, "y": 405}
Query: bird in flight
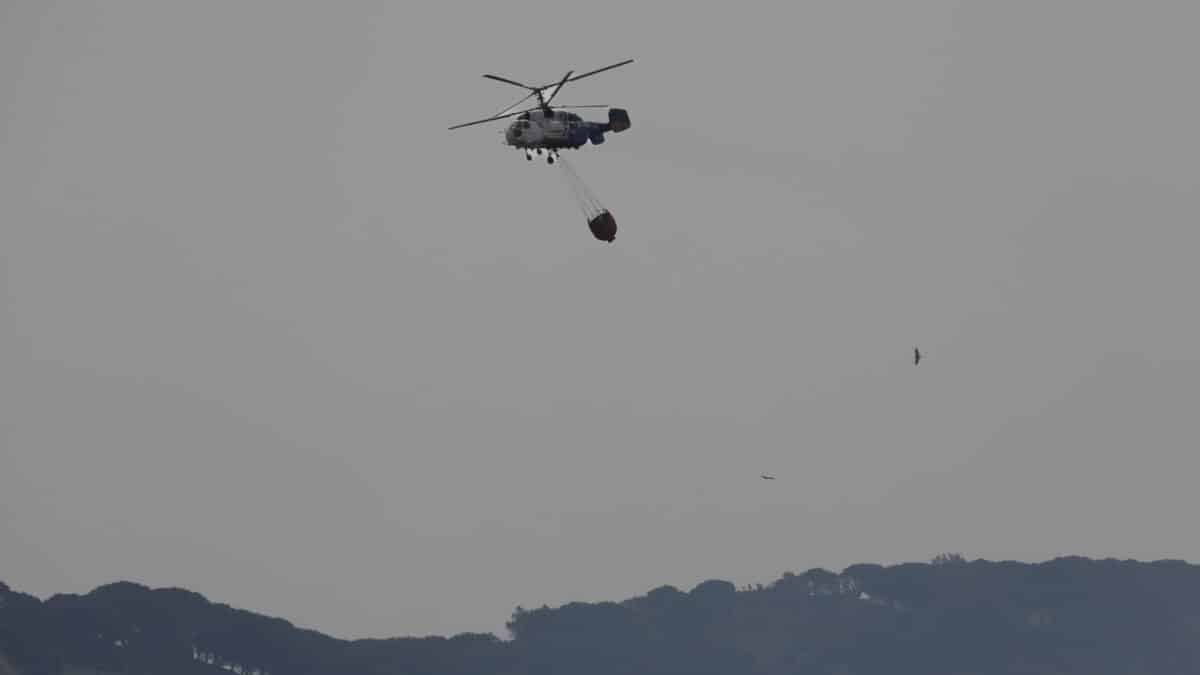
{"x": 766, "y": 477}
{"x": 916, "y": 356}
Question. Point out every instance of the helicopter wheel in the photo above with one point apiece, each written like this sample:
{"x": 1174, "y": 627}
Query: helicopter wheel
{"x": 549, "y": 158}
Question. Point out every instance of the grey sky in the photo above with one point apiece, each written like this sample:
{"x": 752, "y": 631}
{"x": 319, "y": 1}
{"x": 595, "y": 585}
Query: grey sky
{"x": 271, "y": 333}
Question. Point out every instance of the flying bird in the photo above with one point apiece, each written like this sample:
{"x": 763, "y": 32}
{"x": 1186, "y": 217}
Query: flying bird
{"x": 766, "y": 477}
{"x": 916, "y": 356}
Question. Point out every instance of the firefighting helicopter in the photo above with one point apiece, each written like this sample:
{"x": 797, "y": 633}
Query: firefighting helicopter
{"x": 544, "y": 129}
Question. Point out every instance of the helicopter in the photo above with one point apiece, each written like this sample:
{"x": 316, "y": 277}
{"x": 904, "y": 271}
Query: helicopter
{"x": 545, "y": 129}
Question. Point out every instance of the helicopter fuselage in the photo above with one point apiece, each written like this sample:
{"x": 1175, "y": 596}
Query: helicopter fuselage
{"x": 557, "y": 129}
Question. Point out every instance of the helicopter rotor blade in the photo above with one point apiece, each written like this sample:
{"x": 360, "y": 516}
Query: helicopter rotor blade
{"x": 513, "y": 107}
{"x": 558, "y": 87}
{"x": 560, "y": 107}
{"x": 489, "y": 119}
{"x": 598, "y": 70}
{"x": 508, "y": 81}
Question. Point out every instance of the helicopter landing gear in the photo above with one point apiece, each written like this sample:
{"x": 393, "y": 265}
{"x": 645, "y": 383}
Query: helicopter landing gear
{"x": 551, "y": 154}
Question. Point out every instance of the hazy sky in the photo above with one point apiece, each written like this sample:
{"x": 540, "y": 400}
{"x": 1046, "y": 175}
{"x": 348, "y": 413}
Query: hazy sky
{"x": 272, "y": 333}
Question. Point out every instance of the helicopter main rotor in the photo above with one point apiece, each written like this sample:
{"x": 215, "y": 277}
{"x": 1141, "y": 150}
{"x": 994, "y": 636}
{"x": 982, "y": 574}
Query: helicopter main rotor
{"x": 540, "y": 93}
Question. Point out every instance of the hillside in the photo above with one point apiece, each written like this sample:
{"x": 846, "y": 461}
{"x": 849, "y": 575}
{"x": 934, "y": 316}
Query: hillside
{"x": 953, "y": 617}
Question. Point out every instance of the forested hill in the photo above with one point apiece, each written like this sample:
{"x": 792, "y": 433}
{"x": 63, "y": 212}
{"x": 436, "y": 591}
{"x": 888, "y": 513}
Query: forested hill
{"x": 952, "y": 617}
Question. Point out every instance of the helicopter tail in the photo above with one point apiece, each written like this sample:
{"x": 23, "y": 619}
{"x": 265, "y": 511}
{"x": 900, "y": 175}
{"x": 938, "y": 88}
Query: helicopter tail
{"x": 618, "y": 119}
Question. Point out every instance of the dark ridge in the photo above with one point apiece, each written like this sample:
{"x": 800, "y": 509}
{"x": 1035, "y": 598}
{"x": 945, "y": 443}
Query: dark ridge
{"x": 950, "y": 616}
